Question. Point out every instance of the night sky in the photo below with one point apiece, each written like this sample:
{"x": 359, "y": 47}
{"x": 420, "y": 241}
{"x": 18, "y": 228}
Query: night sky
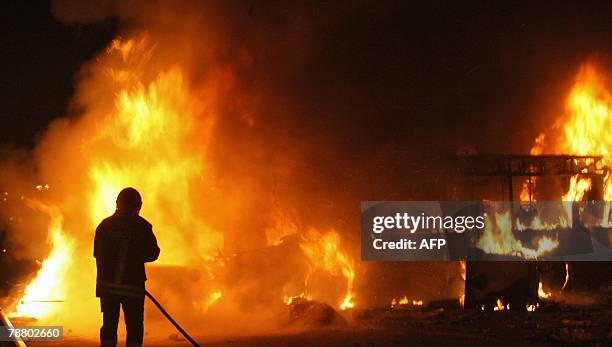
{"x": 40, "y": 59}
{"x": 435, "y": 75}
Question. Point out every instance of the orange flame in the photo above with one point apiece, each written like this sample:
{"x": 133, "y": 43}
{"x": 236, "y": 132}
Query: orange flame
{"x": 463, "y": 265}
{"x": 541, "y": 293}
{"x": 324, "y": 253}
{"x": 586, "y": 130}
{"x": 501, "y": 240}
{"x": 48, "y": 288}
{"x": 567, "y": 277}
{"x": 152, "y": 127}
{"x": 527, "y": 191}
{"x": 403, "y": 302}
{"x": 149, "y": 128}
{"x": 499, "y": 306}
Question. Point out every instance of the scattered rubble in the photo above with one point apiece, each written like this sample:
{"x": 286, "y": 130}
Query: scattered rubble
{"x": 551, "y": 324}
{"x": 310, "y": 313}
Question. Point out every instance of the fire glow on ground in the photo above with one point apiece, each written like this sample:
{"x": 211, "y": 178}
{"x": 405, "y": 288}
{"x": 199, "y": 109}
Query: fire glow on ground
{"x": 255, "y": 131}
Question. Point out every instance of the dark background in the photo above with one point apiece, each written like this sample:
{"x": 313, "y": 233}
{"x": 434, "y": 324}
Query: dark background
{"x": 432, "y": 75}
{"x": 39, "y": 60}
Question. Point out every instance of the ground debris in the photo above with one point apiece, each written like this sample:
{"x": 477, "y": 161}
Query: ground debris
{"x": 574, "y": 323}
{"x": 312, "y": 313}
{"x": 573, "y": 335}
{"x": 555, "y": 323}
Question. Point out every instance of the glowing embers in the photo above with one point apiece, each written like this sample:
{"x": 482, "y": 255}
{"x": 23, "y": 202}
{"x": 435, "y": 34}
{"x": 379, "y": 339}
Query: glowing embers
{"x": 405, "y": 303}
{"x": 501, "y": 286}
{"x": 288, "y": 300}
{"x": 212, "y": 298}
{"x": 310, "y": 313}
{"x": 499, "y": 306}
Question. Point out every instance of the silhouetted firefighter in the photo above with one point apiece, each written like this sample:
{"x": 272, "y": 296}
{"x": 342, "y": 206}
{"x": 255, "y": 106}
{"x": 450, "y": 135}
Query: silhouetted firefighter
{"x": 123, "y": 243}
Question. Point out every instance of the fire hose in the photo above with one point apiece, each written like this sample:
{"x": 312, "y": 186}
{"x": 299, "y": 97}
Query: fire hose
{"x": 167, "y": 315}
{"x": 5, "y": 322}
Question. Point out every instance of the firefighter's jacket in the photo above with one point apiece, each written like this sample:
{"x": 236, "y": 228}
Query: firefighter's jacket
{"x": 123, "y": 243}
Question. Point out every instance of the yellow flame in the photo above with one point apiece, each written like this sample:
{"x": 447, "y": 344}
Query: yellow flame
{"x": 499, "y": 306}
{"x": 153, "y": 133}
{"x": 42, "y": 187}
{"x": 541, "y": 293}
{"x": 404, "y": 301}
{"x": 589, "y": 126}
{"x": 288, "y": 300}
{"x": 586, "y": 130}
{"x": 151, "y": 129}
{"x": 347, "y": 302}
{"x": 324, "y": 253}
{"x": 147, "y": 138}
{"x": 567, "y": 276}
{"x": 537, "y": 224}
{"x": 577, "y": 189}
{"x": 47, "y": 290}
{"x": 212, "y": 298}
{"x": 529, "y": 184}
{"x": 501, "y": 240}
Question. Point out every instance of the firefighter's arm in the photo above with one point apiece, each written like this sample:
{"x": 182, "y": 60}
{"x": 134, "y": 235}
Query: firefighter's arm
{"x": 97, "y": 243}
{"x": 151, "y": 250}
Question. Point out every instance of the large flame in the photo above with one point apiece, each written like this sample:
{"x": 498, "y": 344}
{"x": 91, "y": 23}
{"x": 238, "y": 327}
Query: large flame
{"x": 586, "y": 129}
{"x": 148, "y": 138}
{"x": 48, "y": 289}
{"x": 589, "y": 125}
{"x": 498, "y": 238}
{"x": 153, "y": 131}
